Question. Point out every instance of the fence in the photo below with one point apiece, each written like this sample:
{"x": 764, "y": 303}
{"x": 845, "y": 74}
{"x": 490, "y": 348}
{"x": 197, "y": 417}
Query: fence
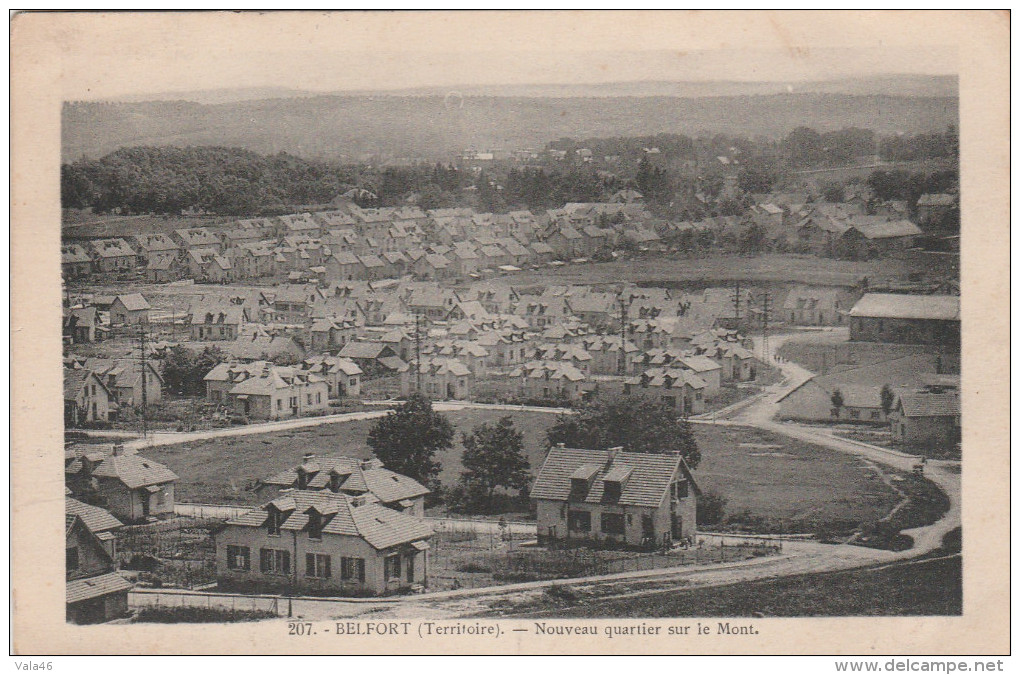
{"x": 223, "y": 511}
{"x": 222, "y": 601}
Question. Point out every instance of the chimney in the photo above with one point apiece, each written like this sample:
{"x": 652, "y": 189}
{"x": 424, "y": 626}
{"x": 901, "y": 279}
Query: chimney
{"x": 612, "y": 455}
{"x": 560, "y": 445}
{"x": 307, "y": 457}
{"x": 118, "y": 449}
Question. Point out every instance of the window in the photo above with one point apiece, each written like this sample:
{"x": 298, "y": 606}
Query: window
{"x": 854, "y": 413}
{"x": 274, "y": 561}
{"x": 279, "y": 404}
{"x": 274, "y": 522}
{"x": 352, "y": 569}
{"x": 354, "y": 382}
{"x": 314, "y": 525}
{"x": 612, "y": 523}
{"x": 293, "y": 401}
{"x": 875, "y": 415}
{"x": 317, "y": 565}
{"x": 161, "y": 497}
{"x": 72, "y": 558}
{"x": 239, "y": 558}
{"x": 647, "y": 526}
{"x": 680, "y": 489}
{"x": 318, "y": 397}
{"x": 392, "y": 567}
{"x": 579, "y": 521}
{"x": 93, "y": 390}
{"x": 410, "y": 568}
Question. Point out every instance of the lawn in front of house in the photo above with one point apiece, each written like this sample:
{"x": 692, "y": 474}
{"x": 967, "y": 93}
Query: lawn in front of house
{"x": 767, "y": 480}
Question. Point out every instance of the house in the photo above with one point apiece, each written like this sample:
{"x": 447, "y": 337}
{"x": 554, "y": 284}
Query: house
{"x": 163, "y": 269}
{"x": 342, "y": 376}
{"x": 566, "y": 242}
{"x": 86, "y": 398}
{"x": 197, "y": 238}
{"x": 354, "y": 477}
{"x": 614, "y": 497}
{"x": 95, "y": 592}
{"x": 548, "y": 380}
{"x": 330, "y": 333}
{"x": 79, "y": 325}
{"x": 129, "y": 310}
{"x": 675, "y": 388}
{"x": 112, "y": 255}
{"x": 155, "y": 247}
{"x": 130, "y": 486}
{"x": 931, "y": 208}
{"x": 217, "y": 320}
{"x": 871, "y": 236}
{"x": 125, "y": 378}
{"x": 607, "y": 358}
{"x": 293, "y": 303}
{"x": 438, "y": 378}
{"x": 806, "y": 306}
{"x": 812, "y": 401}
{"x": 909, "y": 319}
{"x": 322, "y": 541}
{"x": 705, "y": 368}
{"x": 261, "y": 390}
{"x": 260, "y": 346}
{"x": 927, "y": 419}
{"x": 75, "y": 262}
{"x": 373, "y": 357}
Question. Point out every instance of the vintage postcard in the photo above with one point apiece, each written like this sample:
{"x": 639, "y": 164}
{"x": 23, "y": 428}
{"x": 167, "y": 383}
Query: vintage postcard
{"x": 510, "y": 333}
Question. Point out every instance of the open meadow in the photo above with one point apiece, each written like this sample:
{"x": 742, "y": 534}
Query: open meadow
{"x": 767, "y": 480}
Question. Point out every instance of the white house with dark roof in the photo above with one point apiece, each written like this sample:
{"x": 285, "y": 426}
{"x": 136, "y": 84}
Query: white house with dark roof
{"x": 129, "y": 310}
{"x": 131, "y": 487}
{"x": 95, "y": 592}
{"x": 352, "y": 477}
{"x": 637, "y": 499}
{"x": 323, "y": 541}
{"x": 900, "y": 318}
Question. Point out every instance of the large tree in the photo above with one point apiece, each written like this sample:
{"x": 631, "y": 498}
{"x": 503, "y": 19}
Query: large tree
{"x": 184, "y": 369}
{"x": 632, "y": 422}
{"x": 494, "y": 457}
{"x": 408, "y": 438}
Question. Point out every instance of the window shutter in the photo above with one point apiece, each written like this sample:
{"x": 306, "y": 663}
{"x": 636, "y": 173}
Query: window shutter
{"x": 310, "y": 564}
{"x": 326, "y": 571}
{"x": 361, "y": 569}
{"x": 264, "y": 563}
{"x": 286, "y": 562}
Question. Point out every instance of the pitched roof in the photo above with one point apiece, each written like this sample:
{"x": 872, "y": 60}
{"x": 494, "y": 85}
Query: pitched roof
{"x": 896, "y": 306}
{"x": 647, "y": 485}
{"x": 134, "y": 471}
{"x": 134, "y": 302}
{"x": 94, "y": 587}
{"x": 95, "y": 518}
{"x": 381, "y": 527}
{"x": 930, "y": 405}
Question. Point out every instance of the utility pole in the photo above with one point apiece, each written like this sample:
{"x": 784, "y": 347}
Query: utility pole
{"x": 766, "y": 308}
{"x": 621, "y": 362}
{"x": 145, "y": 378}
{"x": 736, "y": 302}
{"x": 417, "y": 351}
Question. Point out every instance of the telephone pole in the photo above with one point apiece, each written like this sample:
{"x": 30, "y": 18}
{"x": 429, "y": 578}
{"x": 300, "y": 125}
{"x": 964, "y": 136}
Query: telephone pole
{"x": 766, "y": 309}
{"x": 145, "y": 378}
{"x": 621, "y": 362}
{"x": 417, "y": 352}
{"x": 736, "y": 302}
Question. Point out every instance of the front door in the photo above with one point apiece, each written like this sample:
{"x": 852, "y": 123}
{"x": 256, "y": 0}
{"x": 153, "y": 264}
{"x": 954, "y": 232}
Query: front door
{"x": 677, "y": 526}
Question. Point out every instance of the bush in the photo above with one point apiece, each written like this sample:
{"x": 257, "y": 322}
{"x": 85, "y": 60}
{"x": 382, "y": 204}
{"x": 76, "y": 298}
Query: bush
{"x": 564, "y": 593}
{"x": 473, "y": 568}
{"x": 711, "y": 509}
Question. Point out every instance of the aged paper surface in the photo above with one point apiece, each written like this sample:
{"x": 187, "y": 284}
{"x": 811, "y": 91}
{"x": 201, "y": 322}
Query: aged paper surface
{"x": 59, "y": 57}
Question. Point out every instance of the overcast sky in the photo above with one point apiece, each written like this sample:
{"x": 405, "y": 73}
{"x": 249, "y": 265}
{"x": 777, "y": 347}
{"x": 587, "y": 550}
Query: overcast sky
{"x": 427, "y": 52}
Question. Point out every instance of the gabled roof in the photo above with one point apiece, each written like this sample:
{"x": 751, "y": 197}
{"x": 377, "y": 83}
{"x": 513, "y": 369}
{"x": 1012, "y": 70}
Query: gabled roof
{"x": 896, "y": 306}
{"x": 355, "y": 476}
{"x": 133, "y": 302}
{"x": 930, "y": 405}
{"x": 79, "y": 590}
{"x": 96, "y": 519}
{"x": 379, "y": 526}
{"x": 134, "y": 471}
{"x": 647, "y": 485}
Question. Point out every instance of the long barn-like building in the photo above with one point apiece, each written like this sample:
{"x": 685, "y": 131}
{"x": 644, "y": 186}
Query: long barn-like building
{"x": 907, "y": 319}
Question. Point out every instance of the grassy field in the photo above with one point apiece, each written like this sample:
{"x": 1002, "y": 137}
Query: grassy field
{"x": 923, "y": 588}
{"x": 770, "y": 477}
{"x": 710, "y": 269}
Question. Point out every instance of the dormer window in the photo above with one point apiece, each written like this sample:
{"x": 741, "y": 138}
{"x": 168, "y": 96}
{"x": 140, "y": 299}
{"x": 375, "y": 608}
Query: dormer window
{"x": 274, "y": 522}
{"x": 314, "y": 525}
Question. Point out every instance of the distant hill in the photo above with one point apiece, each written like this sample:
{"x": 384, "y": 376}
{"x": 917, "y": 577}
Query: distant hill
{"x": 351, "y": 127}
